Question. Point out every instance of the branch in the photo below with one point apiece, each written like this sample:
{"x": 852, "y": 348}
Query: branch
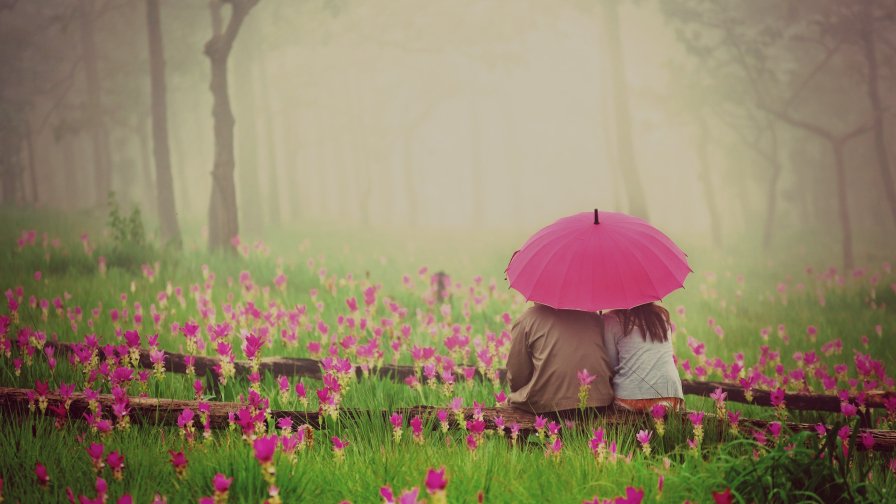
{"x": 68, "y": 85}
{"x": 797, "y": 123}
{"x": 811, "y": 75}
{"x": 220, "y": 44}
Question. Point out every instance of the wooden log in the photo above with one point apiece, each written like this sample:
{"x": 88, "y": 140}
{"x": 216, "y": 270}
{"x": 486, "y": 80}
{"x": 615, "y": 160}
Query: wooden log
{"x": 156, "y": 411}
{"x": 310, "y": 368}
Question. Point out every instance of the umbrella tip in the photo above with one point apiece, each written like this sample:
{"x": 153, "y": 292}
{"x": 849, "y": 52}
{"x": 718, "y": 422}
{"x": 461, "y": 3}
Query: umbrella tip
{"x": 596, "y": 217}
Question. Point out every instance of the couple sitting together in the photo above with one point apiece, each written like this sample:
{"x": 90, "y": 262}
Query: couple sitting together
{"x": 628, "y": 351}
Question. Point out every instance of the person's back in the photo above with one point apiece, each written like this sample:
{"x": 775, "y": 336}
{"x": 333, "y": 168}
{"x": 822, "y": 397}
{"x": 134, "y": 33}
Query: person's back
{"x": 641, "y": 354}
{"x": 548, "y": 348}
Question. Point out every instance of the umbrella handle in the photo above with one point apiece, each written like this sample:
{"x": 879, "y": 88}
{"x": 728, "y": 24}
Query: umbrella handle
{"x": 596, "y": 217}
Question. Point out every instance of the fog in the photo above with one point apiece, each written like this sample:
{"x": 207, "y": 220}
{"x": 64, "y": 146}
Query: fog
{"x": 468, "y": 114}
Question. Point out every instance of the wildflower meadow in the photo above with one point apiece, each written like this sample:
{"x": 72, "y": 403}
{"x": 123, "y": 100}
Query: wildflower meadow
{"x": 146, "y": 375}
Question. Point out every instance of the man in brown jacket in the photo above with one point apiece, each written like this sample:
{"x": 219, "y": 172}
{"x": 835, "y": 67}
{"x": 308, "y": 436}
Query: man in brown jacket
{"x": 547, "y": 349}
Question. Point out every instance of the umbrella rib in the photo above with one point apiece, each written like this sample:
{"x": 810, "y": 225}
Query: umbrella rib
{"x": 534, "y": 253}
{"x": 563, "y": 280}
{"x": 624, "y": 282}
{"x": 641, "y": 240}
{"x": 549, "y": 259}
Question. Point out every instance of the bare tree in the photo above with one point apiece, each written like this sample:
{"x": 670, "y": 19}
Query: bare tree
{"x": 837, "y": 143}
{"x": 867, "y": 29}
{"x": 223, "y": 217}
{"x": 99, "y": 136}
{"x": 625, "y": 149}
{"x": 170, "y": 230}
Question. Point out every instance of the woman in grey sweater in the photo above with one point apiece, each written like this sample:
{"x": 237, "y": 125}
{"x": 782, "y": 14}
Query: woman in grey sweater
{"x": 640, "y": 353}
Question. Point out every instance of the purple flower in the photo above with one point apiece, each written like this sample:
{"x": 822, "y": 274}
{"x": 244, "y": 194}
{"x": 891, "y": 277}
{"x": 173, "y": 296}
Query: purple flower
{"x": 264, "y": 448}
{"x": 436, "y": 481}
{"x": 221, "y": 483}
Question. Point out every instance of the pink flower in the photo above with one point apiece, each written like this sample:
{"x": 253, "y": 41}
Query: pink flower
{"x": 476, "y": 426}
{"x": 777, "y": 397}
{"x": 115, "y": 461}
{"x": 867, "y": 440}
{"x": 95, "y": 450}
{"x": 501, "y": 398}
{"x": 264, "y": 448}
{"x": 775, "y": 429}
{"x": 388, "y": 496}
{"x": 417, "y": 426}
{"x": 643, "y": 437}
{"x": 179, "y": 462}
{"x": 723, "y": 497}
{"x": 718, "y": 395}
{"x": 848, "y": 409}
{"x": 734, "y": 417}
{"x": 585, "y": 378}
{"x": 396, "y": 420}
{"x": 696, "y": 417}
{"x": 185, "y": 418}
{"x": 658, "y": 411}
{"x": 40, "y": 471}
{"x": 221, "y": 483}
{"x": 555, "y": 447}
{"x": 338, "y": 444}
{"x": 436, "y": 481}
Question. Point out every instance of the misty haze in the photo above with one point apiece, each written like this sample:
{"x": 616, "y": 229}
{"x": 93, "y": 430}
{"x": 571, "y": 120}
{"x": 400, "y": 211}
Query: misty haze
{"x": 397, "y": 183}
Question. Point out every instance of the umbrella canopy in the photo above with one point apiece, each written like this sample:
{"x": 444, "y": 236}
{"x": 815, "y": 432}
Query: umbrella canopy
{"x": 594, "y": 262}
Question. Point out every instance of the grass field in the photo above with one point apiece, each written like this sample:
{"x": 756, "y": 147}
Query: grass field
{"x": 791, "y": 324}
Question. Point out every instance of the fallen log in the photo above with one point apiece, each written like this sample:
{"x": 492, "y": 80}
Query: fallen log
{"x": 311, "y": 368}
{"x": 158, "y": 411}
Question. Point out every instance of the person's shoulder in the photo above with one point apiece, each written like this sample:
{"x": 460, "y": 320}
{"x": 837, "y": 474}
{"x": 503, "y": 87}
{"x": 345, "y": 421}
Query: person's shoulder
{"x": 610, "y": 317}
{"x": 536, "y": 312}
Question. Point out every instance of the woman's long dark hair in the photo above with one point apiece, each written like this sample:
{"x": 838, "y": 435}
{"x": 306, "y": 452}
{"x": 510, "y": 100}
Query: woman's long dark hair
{"x": 651, "y": 318}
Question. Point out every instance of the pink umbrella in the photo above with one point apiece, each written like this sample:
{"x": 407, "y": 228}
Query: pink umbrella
{"x": 597, "y": 262}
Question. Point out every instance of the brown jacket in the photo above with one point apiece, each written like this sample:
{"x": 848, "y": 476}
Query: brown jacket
{"x": 547, "y": 349}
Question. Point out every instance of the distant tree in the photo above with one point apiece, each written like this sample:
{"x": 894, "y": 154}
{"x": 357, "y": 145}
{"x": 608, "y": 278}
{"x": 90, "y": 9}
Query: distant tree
{"x": 637, "y": 202}
{"x": 780, "y": 59}
{"x": 223, "y": 217}
{"x": 96, "y": 123}
{"x": 871, "y": 15}
{"x": 170, "y": 230}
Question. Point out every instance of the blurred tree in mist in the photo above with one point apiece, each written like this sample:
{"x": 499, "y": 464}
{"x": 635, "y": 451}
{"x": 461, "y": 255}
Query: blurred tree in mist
{"x": 790, "y": 63}
{"x": 625, "y": 150}
{"x": 223, "y": 218}
{"x": 456, "y": 113}
{"x": 170, "y": 230}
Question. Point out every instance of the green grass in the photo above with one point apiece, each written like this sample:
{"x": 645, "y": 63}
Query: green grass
{"x": 503, "y": 473}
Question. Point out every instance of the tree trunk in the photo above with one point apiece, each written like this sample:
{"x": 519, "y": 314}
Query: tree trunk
{"x": 272, "y": 194}
{"x": 706, "y": 179}
{"x": 476, "y": 158}
{"x": 170, "y": 230}
{"x": 877, "y": 107}
{"x": 250, "y": 199}
{"x": 843, "y": 204}
{"x": 149, "y": 185}
{"x": 223, "y": 220}
{"x": 32, "y": 163}
{"x": 772, "y": 192}
{"x": 98, "y": 135}
{"x": 626, "y": 153}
